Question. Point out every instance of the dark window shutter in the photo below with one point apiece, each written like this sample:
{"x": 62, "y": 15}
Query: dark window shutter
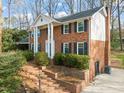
{"x": 70, "y": 47}
{"x": 75, "y": 26}
{"x": 75, "y": 48}
{"x": 69, "y": 27}
{"x": 61, "y": 29}
{"x": 61, "y": 47}
{"x": 85, "y": 48}
{"x": 85, "y": 25}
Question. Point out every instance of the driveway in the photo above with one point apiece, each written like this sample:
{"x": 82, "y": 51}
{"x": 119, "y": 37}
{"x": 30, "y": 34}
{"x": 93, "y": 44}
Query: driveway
{"x": 104, "y": 83}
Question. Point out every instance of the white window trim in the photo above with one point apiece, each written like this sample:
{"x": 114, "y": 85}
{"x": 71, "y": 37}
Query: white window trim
{"x": 38, "y": 33}
{"x": 78, "y": 45}
{"x": 78, "y": 24}
{"x": 64, "y": 47}
{"x": 64, "y": 28}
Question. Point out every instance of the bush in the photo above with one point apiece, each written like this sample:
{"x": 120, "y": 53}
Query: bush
{"x": 29, "y": 55}
{"x": 41, "y": 59}
{"x": 10, "y": 64}
{"x": 59, "y": 59}
{"x": 72, "y": 60}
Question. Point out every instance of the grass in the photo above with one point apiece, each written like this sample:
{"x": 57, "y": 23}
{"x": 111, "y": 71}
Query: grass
{"x": 118, "y": 56}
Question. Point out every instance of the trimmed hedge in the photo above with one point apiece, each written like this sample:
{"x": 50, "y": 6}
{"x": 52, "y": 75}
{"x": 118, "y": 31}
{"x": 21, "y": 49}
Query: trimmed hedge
{"x": 10, "y": 64}
{"x": 72, "y": 61}
{"x": 29, "y": 55}
{"x": 41, "y": 59}
{"x": 59, "y": 59}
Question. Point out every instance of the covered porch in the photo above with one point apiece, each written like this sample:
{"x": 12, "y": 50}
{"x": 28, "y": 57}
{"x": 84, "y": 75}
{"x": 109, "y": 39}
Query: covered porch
{"x": 40, "y": 23}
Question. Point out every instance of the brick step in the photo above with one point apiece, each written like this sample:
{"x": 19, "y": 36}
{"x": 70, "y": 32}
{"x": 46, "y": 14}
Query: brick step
{"x": 32, "y": 72}
{"x": 30, "y": 75}
{"x": 46, "y": 81}
{"x": 49, "y": 89}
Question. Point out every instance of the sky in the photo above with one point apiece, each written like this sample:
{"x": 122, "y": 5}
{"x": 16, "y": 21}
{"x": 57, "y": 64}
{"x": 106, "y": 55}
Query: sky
{"x": 4, "y": 8}
{"x": 59, "y": 14}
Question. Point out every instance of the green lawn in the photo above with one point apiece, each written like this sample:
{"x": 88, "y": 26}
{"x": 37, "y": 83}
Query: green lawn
{"x": 118, "y": 56}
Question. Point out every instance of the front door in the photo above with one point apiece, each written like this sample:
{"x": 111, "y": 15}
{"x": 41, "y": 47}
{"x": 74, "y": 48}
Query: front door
{"x": 97, "y": 68}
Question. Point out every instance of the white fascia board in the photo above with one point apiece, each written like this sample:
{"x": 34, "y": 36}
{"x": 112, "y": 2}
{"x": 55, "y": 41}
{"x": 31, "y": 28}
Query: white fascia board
{"x": 101, "y": 9}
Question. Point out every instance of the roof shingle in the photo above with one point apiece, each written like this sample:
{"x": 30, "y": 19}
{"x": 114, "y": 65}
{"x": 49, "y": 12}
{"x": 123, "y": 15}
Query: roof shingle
{"x": 79, "y": 15}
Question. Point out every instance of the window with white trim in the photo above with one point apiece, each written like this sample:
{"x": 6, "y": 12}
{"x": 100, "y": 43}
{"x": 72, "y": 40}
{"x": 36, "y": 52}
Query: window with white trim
{"x": 39, "y": 47}
{"x": 39, "y": 33}
{"x": 80, "y": 26}
{"x": 65, "y": 48}
{"x": 65, "y": 28}
{"x": 82, "y": 48}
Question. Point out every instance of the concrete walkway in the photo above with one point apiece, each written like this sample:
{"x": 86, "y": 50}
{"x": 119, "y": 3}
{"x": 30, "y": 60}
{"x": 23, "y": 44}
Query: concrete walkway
{"x": 104, "y": 83}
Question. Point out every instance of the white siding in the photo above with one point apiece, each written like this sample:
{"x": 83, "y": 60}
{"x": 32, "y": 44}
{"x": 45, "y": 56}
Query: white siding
{"x": 43, "y": 21}
{"x": 98, "y": 27}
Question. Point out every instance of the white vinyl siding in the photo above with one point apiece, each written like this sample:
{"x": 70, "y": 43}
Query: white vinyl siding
{"x": 98, "y": 26}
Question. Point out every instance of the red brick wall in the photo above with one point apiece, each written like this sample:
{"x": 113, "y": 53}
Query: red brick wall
{"x": 71, "y": 37}
{"x": 61, "y": 38}
{"x": 107, "y": 44}
{"x": 97, "y": 53}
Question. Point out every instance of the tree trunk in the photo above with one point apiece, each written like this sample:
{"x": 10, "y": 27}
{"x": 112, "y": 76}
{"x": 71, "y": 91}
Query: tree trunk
{"x": 119, "y": 23}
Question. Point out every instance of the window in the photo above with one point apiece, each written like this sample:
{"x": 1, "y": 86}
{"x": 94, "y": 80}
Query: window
{"x": 66, "y": 28}
{"x": 32, "y": 34}
{"x": 82, "y": 48}
{"x": 39, "y": 33}
{"x": 41, "y": 19}
{"x": 80, "y": 26}
{"x": 66, "y": 48}
{"x": 32, "y": 46}
{"x": 39, "y": 47}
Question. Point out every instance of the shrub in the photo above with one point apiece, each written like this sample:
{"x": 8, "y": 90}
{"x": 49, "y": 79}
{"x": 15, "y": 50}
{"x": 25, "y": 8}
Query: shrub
{"x": 59, "y": 59}
{"x": 72, "y": 61}
{"x": 41, "y": 59}
{"x": 28, "y": 55}
{"x": 10, "y": 64}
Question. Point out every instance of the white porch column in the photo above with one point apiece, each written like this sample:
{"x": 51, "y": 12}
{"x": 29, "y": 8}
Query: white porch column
{"x": 34, "y": 40}
{"x": 48, "y": 43}
{"x": 52, "y": 42}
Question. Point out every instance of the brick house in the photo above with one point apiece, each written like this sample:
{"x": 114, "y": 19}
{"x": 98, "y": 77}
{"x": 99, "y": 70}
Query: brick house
{"x": 83, "y": 33}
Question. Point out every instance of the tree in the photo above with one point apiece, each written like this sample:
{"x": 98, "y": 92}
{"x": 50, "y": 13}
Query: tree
{"x": 10, "y": 37}
{"x": 9, "y": 12}
{"x": 50, "y": 6}
{"x": 119, "y": 23}
{"x": 7, "y": 40}
{"x": 10, "y": 64}
{"x": 70, "y": 4}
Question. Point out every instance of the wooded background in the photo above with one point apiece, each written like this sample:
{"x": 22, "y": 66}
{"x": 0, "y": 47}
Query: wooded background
{"x": 21, "y": 13}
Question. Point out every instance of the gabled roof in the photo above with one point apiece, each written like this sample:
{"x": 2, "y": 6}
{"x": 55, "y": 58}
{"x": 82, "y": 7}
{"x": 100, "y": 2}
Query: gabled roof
{"x": 82, "y": 14}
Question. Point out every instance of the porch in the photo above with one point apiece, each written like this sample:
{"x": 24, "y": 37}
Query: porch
{"x": 45, "y": 22}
